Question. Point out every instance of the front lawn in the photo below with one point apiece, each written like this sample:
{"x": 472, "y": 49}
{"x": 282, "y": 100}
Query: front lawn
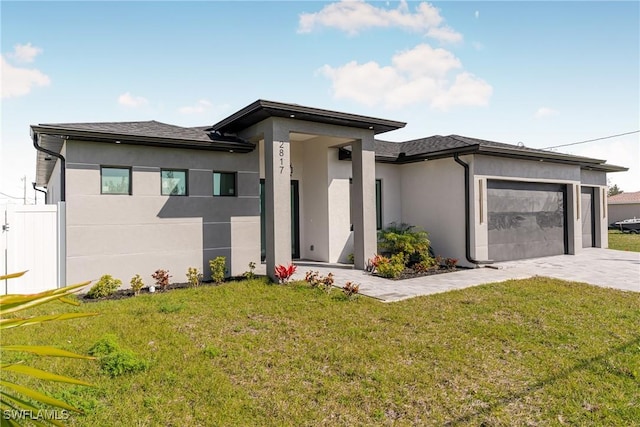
{"x": 527, "y": 352}
{"x": 624, "y": 241}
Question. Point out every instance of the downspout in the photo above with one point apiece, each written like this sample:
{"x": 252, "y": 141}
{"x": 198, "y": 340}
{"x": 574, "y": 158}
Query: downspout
{"x": 467, "y": 214}
{"x": 40, "y": 190}
{"x": 63, "y": 166}
{"x": 62, "y": 214}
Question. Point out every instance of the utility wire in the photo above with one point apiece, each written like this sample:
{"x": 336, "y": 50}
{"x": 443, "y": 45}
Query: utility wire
{"x": 11, "y": 197}
{"x": 591, "y": 140}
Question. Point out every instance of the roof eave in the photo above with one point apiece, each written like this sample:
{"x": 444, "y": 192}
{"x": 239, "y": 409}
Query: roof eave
{"x": 214, "y": 145}
{"x": 262, "y": 109}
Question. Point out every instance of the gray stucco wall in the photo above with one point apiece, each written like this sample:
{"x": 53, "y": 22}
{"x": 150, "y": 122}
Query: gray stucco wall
{"x": 593, "y": 178}
{"x": 125, "y": 235}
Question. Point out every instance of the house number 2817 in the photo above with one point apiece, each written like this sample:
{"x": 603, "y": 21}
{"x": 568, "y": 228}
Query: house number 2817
{"x": 281, "y": 155}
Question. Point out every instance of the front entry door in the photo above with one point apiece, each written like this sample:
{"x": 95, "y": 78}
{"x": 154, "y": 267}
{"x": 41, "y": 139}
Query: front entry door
{"x": 295, "y": 221}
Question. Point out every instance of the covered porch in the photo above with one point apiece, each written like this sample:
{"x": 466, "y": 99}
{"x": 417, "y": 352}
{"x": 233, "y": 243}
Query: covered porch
{"x": 314, "y": 206}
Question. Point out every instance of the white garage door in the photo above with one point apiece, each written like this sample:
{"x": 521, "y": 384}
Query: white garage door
{"x": 526, "y": 220}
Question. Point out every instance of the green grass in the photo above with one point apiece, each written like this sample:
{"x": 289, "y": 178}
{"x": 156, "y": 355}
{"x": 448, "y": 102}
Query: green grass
{"x": 624, "y": 241}
{"x": 527, "y": 352}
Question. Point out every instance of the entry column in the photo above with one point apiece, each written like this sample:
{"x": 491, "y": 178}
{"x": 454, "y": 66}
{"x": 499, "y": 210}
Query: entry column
{"x": 277, "y": 196}
{"x": 364, "y": 201}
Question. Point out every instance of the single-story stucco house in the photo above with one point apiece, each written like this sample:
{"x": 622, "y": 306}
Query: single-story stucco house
{"x": 624, "y": 206}
{"x": 280, "y": 181}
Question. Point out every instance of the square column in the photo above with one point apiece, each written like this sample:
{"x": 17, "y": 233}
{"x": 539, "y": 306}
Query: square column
{"x": 277, "y": 197}
{"x": 364, "y": 201}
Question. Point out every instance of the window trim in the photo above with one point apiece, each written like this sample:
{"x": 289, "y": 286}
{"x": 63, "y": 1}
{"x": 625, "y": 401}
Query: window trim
{"x": 235, "y": 183}
{"x": 379, "y": 204}
{"x": 186, "y": 181}
{"x": 130, "y": 189}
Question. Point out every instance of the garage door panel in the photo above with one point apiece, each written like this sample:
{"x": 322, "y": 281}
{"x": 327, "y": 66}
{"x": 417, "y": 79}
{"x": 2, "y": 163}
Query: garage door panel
{"x": 526, "y": 220}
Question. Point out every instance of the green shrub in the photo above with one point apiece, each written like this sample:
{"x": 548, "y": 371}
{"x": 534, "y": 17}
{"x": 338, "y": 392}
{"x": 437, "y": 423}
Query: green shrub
{"x": 250, "y": 275}
{"x": 218, "y": 267}
{"x": 105, "y": 287}
{"x": 194, "y": 277}
{"x": 407, "y": 239}
{"x": 391, "y": 268}
{"x": 115, "y": 361}
{"x": 136, "y": 284}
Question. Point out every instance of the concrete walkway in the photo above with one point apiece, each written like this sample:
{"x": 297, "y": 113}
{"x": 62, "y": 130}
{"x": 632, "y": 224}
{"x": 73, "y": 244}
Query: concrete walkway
{"x": 600, "y": 267}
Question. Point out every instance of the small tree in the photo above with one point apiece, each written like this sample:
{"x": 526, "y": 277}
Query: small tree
{"x": 613, "y": 190}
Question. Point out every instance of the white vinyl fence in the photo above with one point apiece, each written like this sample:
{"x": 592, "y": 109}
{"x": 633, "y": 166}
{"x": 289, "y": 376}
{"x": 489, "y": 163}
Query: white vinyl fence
{"x": 30, "y": 241}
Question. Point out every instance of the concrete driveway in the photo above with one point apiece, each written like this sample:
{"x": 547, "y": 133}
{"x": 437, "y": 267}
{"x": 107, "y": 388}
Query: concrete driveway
{"x": 600, "y": 267}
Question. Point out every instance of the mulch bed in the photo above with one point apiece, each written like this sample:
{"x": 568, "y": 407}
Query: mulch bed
{"x": 128, "y": 293}
{"x": 412, "y": 274}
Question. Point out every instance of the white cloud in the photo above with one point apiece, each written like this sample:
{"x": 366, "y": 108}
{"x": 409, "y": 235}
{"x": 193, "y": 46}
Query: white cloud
{"x": 25, "y": 52}
{"x": 477, "y": 14}
{"x": 17, "y": 81}
{"x": 351, "y": 16}
{"x": 129, "y": 100}
{"x": 545, "y": 112}
{"x": 418, "y": 75}
{"x": 200, "y": 107}
{"x": 467, "y": 90}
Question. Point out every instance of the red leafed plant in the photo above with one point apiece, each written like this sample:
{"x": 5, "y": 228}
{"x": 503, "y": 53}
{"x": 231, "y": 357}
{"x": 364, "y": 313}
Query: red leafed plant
{"x": 284, "y": 273}
{"x": 373, "y": 263}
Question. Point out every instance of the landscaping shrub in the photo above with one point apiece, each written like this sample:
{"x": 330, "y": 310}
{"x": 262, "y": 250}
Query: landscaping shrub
{"x": 391, "y": 268}
{"x": 194, "y": 277}
{"x": 450, "y": 263}
{"x": 105, "y": 287}
{"x": 405, "y": 239}
{"x": 136, "y": 284}
{"x": 283, "y": 273}
{"x": 250, "y": 274}
{"x": 425, "y": 265}
{"x": 218, "y": 267}
{"x": 315, "y": 280}
{"x": 162, "y": 278}
{"x": 372, "y": 263}
{"x": 351, "y": 290}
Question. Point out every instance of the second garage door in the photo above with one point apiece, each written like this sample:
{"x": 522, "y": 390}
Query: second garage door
{"x": 526, "y": 220}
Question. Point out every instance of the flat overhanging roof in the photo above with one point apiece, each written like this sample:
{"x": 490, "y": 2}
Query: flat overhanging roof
{"x": 263, "y": 109}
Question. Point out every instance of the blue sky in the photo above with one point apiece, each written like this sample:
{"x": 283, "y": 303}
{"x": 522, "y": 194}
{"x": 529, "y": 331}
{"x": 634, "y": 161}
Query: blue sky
{"x": 540, "y": 73}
